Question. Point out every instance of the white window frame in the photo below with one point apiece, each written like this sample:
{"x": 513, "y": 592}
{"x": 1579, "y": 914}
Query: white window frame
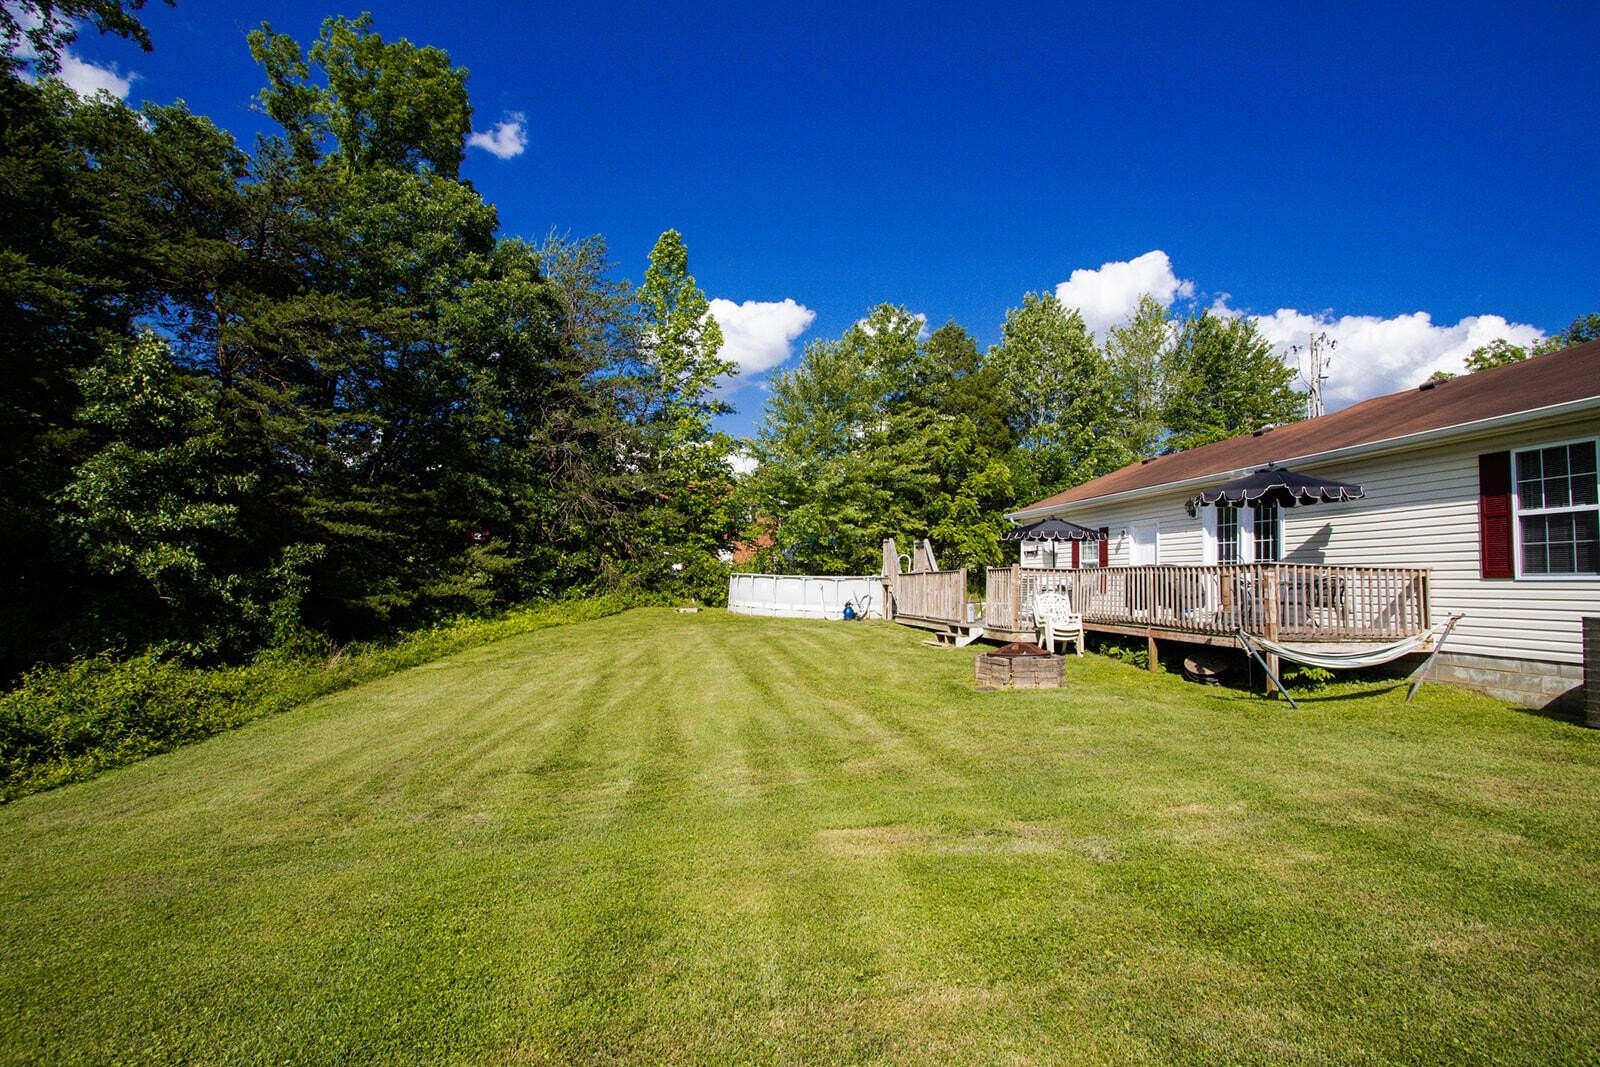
{"x": 1517, "y": 510}
{"x": 1276, "y": 534}
{"x": 1211, "y": 548}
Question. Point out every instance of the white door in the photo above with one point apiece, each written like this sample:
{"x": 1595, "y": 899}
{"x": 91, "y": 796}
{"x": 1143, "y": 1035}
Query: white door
{"x": 1145, "y": 536}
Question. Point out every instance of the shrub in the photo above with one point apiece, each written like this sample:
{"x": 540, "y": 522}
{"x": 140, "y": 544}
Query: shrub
{"x": 1137, "y": 656}
{"x": 1308, "y": 678}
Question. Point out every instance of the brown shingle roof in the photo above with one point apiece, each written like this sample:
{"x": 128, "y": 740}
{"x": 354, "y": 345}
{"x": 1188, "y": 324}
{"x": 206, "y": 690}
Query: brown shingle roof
{"x": 1543, "y": 381}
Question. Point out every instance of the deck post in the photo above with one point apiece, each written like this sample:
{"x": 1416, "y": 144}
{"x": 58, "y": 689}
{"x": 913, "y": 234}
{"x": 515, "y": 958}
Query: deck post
{"x": 891, "y": 574}
{"x": 1150, "y": 649}
{"x": 1269, "y": 614}
{"x": 1016, "y": 596}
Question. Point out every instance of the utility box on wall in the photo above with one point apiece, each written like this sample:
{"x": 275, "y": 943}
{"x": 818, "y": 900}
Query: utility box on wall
{"x": 1591, "y": 672}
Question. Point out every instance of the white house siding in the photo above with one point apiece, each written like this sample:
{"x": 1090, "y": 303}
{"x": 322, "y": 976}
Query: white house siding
{"x": 1178, "y": 538}
{"x": 1521, "y": 638}
{"x": 1421, "y": 509}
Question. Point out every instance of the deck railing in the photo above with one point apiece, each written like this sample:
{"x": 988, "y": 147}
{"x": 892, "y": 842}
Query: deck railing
{"x": 939, "y": 596}
{"x": 1292, "y": 601}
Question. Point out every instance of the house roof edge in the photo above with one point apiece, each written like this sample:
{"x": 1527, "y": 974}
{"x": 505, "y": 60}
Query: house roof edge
{"x": 1464, "y": 430}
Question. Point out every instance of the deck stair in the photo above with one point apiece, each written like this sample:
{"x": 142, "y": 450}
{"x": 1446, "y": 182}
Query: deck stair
{"x": 958, "y": 634}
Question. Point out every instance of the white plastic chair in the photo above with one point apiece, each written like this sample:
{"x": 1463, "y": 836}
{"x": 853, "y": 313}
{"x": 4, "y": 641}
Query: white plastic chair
{"x": 1057, "y": 622}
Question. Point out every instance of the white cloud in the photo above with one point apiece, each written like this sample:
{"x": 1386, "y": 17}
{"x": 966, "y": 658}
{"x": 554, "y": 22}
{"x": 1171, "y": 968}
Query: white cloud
{"x": 1371, "y": 356}
{"x": 758, "y": 334}
{"x": 86, "y": 79}
{"x": 1374, "y": 356}
{"x": 507, "y": 140}
{"x": 1109, "y": 295}
{"x": 81, "y": 76}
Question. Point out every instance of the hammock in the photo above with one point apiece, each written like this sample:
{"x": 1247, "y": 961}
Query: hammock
{"x": 1340, "y": 661}
{"x": 1343, "y": 661}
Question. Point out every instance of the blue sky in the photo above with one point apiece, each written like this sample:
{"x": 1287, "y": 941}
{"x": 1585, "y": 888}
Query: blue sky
{"x": 1413, "y": 179}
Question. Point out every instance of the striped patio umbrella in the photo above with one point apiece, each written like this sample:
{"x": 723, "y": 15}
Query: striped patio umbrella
{"x": 1281, "y": 486}
{"x": 1050, "y": 530}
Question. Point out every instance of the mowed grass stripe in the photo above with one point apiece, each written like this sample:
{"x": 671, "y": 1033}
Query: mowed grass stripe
{"x": 705, "y": 838}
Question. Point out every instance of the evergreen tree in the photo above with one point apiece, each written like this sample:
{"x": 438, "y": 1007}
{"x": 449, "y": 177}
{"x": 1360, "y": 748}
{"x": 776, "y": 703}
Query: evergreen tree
{"x": 954, "y": 378}
{"x": 684, "y": 520}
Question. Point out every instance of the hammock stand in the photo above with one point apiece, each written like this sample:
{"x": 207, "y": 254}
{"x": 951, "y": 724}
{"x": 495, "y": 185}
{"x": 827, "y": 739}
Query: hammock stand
{"x": 1343, "y": 661}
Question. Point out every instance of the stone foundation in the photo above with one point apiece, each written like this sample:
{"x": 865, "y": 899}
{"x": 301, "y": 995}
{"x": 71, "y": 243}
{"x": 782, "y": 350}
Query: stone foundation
{"x": 1554, "y": 687}
{"x": 1020, "y": 672}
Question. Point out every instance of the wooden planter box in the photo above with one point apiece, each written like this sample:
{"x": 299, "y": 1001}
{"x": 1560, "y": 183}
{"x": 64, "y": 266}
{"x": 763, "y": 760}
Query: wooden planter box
{"x": 1020, "y": 672}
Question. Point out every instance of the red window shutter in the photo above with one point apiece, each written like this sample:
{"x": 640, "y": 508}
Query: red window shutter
{"x": 1077, "y": 546}
{"x": 1105, "y": 546}
{"x": 1495, "y": 544}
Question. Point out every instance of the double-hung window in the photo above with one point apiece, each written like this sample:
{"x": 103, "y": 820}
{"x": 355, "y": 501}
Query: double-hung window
{"x": 1558, "y": 509}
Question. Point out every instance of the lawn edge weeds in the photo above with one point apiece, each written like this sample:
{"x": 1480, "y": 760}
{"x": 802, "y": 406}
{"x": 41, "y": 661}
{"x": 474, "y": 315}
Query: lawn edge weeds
{"x": 70, "y": 723}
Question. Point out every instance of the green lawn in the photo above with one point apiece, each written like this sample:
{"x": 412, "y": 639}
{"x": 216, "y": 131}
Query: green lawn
{"x": 665, "y": 838}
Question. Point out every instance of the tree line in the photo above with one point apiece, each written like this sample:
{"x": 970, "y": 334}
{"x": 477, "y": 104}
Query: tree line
{"x": 305, "y": 392}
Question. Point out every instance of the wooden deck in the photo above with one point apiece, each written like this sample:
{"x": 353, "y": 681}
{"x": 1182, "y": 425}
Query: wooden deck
{"x": 934, "y": 598}
{"x": 1307, "y": 603}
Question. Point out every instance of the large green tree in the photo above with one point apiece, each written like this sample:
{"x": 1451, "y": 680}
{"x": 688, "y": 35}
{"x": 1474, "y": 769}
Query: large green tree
{"x": 1059, "y": 394}
{"x": 86, "y": 241}
{"x": 331, "y": 343}
{"x": 155, "y": 507}
{"x": 953, "y": 376}
{"x": 367, "y": 409}
{"x": 680, "y": 346}
{"x": 1225, "y": 380}
{"x": 873, "y": 436}
{"x": 1139, "y": 352}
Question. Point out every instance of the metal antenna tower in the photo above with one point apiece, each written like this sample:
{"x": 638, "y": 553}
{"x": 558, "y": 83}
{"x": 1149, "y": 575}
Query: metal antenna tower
{"x": 1317, "y": 373}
